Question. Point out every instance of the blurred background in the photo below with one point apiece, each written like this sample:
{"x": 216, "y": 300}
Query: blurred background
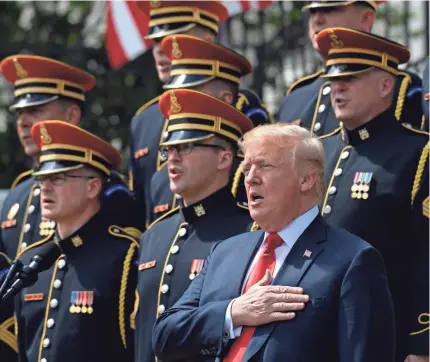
{"x": 272, "y": 34}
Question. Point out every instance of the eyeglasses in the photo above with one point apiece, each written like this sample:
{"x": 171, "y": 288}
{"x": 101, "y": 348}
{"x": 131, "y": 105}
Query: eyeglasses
{"x": 184, "y": 149}
{"x": 57, "y": 179}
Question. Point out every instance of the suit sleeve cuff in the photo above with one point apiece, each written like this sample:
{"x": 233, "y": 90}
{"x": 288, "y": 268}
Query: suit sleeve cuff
{"x": 229, "y": 331}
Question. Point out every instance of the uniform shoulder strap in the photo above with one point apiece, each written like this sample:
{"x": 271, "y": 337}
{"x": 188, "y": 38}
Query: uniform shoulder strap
{"x": 410, "y": 128}
{"x": 147, "y": 104}
{"x": 162, "y": 217}
{"x": 303, "y": 81}
{"x": 128, "y": 233}
{"x": 21, "y": 177}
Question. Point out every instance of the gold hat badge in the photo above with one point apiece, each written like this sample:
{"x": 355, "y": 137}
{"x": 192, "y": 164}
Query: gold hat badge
{"x": 335, "y": 41}
{"x": 44, "y": 135}
{"x": 175, "y": 107}
{"x": 176, "y": 50}
{"x": 20, "y": 71}
{"x": 155, "y": 4}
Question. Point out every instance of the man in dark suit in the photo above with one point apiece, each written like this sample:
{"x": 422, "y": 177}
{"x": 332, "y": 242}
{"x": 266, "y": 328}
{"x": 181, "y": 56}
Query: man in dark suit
{"x": 308, "y": 100}
{"x": 248, "y": 302}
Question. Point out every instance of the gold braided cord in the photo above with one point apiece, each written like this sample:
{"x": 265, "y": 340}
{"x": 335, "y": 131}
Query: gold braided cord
{"x": 420, "y": 171}
{"x": 241, "y": 101}
{"x": 402, "y": 94}
{"x": 236, "y": 180}
{"x": 135, "y": 309}
{"x": 423, "y": 322}
{"x": 6, "y": 336}
{"x": 123, "y": 290}
{"x": 255, "y": 226}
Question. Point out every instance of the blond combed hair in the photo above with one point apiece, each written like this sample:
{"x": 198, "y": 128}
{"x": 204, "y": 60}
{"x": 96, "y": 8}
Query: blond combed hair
{"x": 306, "y": 151}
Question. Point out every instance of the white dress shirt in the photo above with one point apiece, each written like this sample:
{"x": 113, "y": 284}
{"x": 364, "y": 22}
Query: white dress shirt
{"x": 290, "y": 234}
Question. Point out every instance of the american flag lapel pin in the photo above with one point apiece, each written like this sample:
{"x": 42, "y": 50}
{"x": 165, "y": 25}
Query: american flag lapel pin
{"x": 307, "y": 253}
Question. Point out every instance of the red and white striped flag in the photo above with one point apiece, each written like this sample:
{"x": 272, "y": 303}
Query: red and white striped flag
{"x": 127, "y": 25}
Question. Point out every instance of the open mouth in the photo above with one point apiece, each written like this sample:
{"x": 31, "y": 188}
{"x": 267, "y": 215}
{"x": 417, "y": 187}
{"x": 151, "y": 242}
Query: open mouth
{"x": 255, "y": 197}
{"x": 47, "y": 201}
{"x": 174, "y": 172}
{"x": 340, "y": 102}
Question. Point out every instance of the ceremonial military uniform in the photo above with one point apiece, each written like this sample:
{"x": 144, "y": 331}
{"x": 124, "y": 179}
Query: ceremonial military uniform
{"x": 37, "y": 80}
{"x": 148, "y": 124}
{"x": 371, "y": 173}
{"x": 8, "y": 345}
{"x": 308, "y": 104}
{"x": 174, "y": 247}
{"x": 149, "y": 179}
{"x": 162, "y": 197}
{"x": 78, "y": 310}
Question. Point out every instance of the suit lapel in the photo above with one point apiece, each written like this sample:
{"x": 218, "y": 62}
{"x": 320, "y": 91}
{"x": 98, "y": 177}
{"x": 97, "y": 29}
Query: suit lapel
{"x": 245, "y": 256}
{"x": 300, "y": 258}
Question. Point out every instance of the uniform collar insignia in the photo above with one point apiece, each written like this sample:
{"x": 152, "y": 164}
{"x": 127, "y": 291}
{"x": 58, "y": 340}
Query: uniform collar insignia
{"x": 213, "y": 205}
{"x": 84, "y": 235}
{"x": 375, "y": 128}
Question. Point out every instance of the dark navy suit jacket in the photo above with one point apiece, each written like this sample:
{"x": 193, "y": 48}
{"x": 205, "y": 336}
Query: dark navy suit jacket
{"x": 349, "y": 317}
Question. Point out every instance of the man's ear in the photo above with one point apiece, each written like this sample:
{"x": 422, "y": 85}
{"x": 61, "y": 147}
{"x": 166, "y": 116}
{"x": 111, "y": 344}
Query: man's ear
{"x": 307, "y": 181}
{"x": 226, "y": 96}
{"x": 367, "y": 19}
{"x": 73, "y": 114}
{"x": 225, "y": 160}
{"x": 94, "y": 188}
{"x": 387, "y": 85}
{"x": 209, "y": 37}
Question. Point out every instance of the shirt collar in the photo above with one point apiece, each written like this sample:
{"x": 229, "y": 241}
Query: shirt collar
{"x": 291, "y": 233}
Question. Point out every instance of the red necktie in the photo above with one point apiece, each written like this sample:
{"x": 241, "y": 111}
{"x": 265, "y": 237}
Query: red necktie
{"x": 266, "y": 260}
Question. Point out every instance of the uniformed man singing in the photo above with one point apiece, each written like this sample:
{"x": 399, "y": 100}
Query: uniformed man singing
{"x": 78, "y": 310}
{"x": 43, "y": 89}
{"x": 200, "y": 147}
{"x": 375, "y": 167}
{"x": 197, "y": 19}
{"x": 209, "y": 68}
{"x": 308, "y": 100}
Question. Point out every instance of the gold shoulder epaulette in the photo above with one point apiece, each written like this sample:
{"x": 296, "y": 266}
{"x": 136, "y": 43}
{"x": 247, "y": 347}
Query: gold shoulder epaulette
{"x": 304, "y": 79}
{"x": 415, "y": 130}
{"x": 162, "y": 217}
{"x": 21, "y": 177}
{"x": 147, "y": 104}
{"x": 125, "y": 233}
